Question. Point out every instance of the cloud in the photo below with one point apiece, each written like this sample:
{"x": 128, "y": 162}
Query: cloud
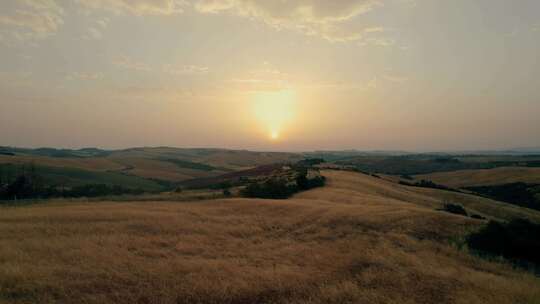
{"x": 395, "y": 78}
{"x": 23, "y": 20}
{"x": 143, "y": 93}
{"x": 84, "y": 76}
{"x": 129, "y": 63}
{"x": 362, "y": 86}
{"x": 265, "y": 77}
{"x": 93, "y": 33}
{"x": 184, "y": 70}
{"x": 136, "y": 7}
{"x": 377, "y": 41}
{"x": 322, "y": 18}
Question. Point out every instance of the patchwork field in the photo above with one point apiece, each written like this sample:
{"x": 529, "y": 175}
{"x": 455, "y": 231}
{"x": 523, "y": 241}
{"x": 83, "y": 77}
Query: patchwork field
{"x": 360, "y": 239}
{"x": 483, "y": 177}
{"x": 145, "y": 168}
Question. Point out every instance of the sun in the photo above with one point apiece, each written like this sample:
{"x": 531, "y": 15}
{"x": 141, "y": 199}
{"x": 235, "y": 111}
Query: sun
{"x": 274, "y": 111}
{"x": 274, "y": 135}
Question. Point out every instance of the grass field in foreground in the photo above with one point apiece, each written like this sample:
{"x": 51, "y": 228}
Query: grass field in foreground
{"x": 358, "y": 240}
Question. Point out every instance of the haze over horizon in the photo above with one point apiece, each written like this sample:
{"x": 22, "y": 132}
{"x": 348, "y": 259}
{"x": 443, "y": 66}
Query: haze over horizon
{"x": 413, "y": 75}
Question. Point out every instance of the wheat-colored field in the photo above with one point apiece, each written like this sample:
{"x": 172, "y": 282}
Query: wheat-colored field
{"x": 358, "y": 240}
{"x": 88, "y": 163}
{"x": 162, "y": 170}
{"x": 484, "y": 177}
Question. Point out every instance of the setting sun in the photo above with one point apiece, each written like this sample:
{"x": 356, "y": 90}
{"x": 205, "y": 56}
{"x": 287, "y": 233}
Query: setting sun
{"x": 274, "y": 110}
{"x": 274, "y": 135}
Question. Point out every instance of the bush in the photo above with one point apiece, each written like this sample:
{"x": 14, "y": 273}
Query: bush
{"x": 521, "y": 194}
{"x": 518, "y": 241}
{"x": 406, "y": 176}
{"x": 427, "y": 184}
{"x": 477, "y": 216}
{"x": 282, "y": 188}
{"x": 455, "y": 209}
{"x": 227, "y": 192}
{"x": 272, "y": 189}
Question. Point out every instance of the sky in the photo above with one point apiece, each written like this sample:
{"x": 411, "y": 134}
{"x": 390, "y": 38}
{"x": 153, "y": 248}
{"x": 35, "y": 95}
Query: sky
{"x": 298, "y": 75}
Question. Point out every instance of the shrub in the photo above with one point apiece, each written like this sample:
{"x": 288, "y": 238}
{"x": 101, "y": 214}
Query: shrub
{"x": 521, "y": 194}
{"x": 406, "y": 176}
{"x": 427, "y": 184}
{"x": 477, "y": 216}
{"x": 272, "y": 188}
{"x": 455, "y": 209}
{"x": 517, "y": 240}
{"x": 281, "y": 187}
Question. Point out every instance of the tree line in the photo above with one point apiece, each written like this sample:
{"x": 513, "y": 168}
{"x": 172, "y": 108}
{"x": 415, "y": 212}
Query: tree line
{"x": 25, "y": 182}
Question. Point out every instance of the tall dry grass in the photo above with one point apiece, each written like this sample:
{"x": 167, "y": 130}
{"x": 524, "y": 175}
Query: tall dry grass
{"x": 346, "y": 243}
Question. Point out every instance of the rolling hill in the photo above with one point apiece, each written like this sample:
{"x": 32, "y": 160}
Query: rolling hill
{"x": 484, "y": 177}
{"x": 145, "y": 168}
{"x": 360, "y": 239}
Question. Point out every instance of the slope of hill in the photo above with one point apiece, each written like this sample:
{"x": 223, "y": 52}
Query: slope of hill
{"x": 416, "y": 164}
{"x": 358, "y": 240}
{"x": 162, "y": 164}
{"x": 484, "y": 177}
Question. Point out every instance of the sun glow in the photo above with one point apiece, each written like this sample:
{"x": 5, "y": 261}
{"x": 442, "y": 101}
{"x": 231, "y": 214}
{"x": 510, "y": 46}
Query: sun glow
{"x": 274, "y": 111}
{"x": 274, "y": 135}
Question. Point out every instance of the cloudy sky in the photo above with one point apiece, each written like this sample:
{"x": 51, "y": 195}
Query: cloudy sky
{"x": 270, "y": 74}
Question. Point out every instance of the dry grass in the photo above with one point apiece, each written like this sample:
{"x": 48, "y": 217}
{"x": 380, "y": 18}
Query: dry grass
{"x": 162, "y": 170}
{"x": 484, "y": 177}
{"x": 346, "y": 243}
{"x": 90, "y": 163}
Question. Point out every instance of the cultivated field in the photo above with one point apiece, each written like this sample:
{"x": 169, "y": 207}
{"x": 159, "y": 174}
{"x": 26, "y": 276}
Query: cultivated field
{"x": 484, "y": 177}
{"x": 358, "y": 240}
{"x": 142, "y": 168}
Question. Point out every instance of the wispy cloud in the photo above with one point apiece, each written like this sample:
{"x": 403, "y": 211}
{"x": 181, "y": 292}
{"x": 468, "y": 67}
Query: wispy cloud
{"x": 395, "y": 78}
{"x": 84, "y": 76}
{"x": 265, "y": 77}
{"x": 366, "y": 85}
{"x": 311, "y": 17}
{"x": 136, "y": 7}
{"x": 185, "y": 70}
{"x": 129, "y": 63}
{"x": 377, "y": 41}
{"x": 23, "y": 20}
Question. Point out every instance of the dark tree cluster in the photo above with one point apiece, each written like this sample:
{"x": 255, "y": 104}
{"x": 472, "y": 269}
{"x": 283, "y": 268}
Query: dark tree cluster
{"x": 281, "y": 188}
{"x": 521, "y": 194}
{"x": 517, "y": 241}
{"x": 455, "y": 209}
{"x": 428, "y": 184}
{"x": 24, "y": 182}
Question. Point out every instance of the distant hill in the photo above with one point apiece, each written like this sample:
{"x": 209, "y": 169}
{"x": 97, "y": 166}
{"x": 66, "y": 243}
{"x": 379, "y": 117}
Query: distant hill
{"x": 148, "y": 168}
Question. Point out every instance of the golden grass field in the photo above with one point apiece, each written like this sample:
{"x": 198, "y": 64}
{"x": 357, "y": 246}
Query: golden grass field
{"x": 358, "y": 240}
{"x": 484, "y": 177}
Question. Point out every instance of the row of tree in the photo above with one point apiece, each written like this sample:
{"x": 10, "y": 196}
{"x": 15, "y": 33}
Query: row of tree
{"x": 25, "y": 182}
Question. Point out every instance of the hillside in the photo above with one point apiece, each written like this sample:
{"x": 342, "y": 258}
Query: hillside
{"x": 360, "y": 239}
{"x": 484, "y": 177}
{"x": 145, "y": 168}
